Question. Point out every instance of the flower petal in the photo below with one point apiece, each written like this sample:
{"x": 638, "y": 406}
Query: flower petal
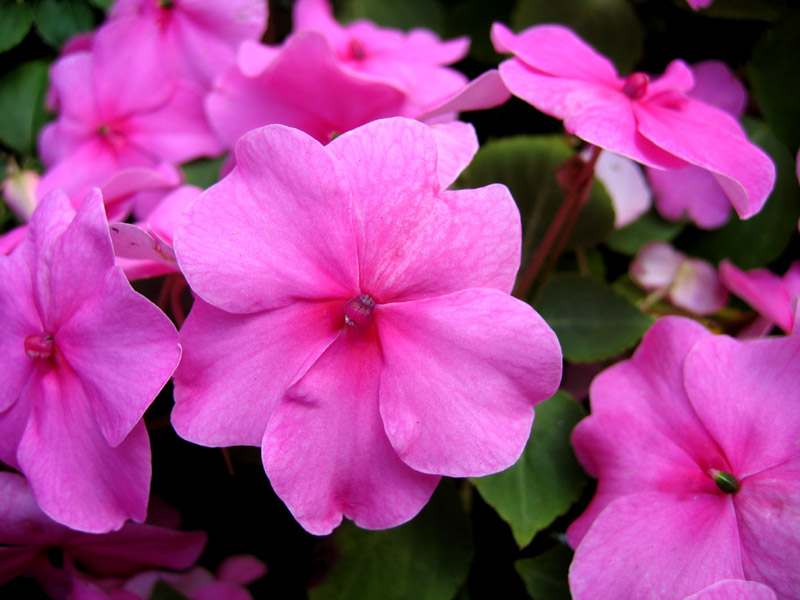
{"x": 692, "y": 192}
{"x": 734, "y": 589}
{"x": 462, "y": 373}
{"x": 761, "y": 289}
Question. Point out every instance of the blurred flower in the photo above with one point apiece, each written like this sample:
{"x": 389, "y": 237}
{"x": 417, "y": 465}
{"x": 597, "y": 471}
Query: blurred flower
{"x": 353, "y": 319}
{"x": 653, "y": 122}
{"x": 772, "y": 296}
{"x": 694, "y": 445}
{"x": 82, "y": 356}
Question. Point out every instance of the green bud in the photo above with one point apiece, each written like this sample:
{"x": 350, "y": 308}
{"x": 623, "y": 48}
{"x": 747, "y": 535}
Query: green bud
{"x": 725, "y": 481}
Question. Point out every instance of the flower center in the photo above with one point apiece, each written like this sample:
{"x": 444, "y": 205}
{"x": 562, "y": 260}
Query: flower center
{"x": 358, "y": 311}
{"x": 725, "y": 481}
{"x": 636, "y": 85}
{"x": 39, "y": 345}
{"x": 166, "y": 3}
{"x": 356, "y": 50}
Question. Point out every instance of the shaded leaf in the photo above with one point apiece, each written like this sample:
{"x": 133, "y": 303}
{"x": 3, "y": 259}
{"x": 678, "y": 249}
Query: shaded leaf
{"x": 757, "y": 10}
{"x": 203, "y": 172}
{"x": 610, "y": 26}
{"x": 545, "y": 576}
{"x": 58, "y": 20}
{"x": 527, "y": 164}
{"x": 647, "y": 228}
{"x": 426, "y": 558}
{"x": 22, "y": 105}
{"x": 102, "y": 4}
{"x": 163, "y": 591}
{"x": 405, "y": 15}
{"x": 474, "y": 18}
{"x": 590, "y": 319}
{"x": 547, "y": 478}
{"x": 761, "y": 239}
{"x": 15, "y": 22}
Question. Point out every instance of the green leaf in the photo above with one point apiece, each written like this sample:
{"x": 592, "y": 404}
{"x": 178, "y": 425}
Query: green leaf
{"x": 527, "y": 164}
{"x": 426, "y": 558}
{"x": 757, "y": 10}
{"x": 761, "y": 239}
{"x": 405, "y": 15}
{"x": 545, "y": 576}
{"x": 102, "y": 4}
{"x": 163, "y": 591}
{"x": 58, "y": 20}
{"x": 610, "y": 26}
{"x": 590, "y": 319}
{"x": 203, "y": 172}
{"x": 15, "y": 22}
{"x": 546, "y": 480}
{"x": 774, "y": 65}
{"x": 649, "y": 227}
{"x": 22, "y": 105}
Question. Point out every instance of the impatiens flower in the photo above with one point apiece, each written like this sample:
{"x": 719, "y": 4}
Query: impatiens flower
{"x": 354, "y": 320}
{"x": 772, "y": 296}
{"x": 412, "y": 62}
{"x": 689, "y": 283}
{"x": 82, "y": 356}
{"x": 694, "y": 192}
{"x": 29, "y": 538}
{"x": 653, "y": 122}
{"x": 119, "y": 110}
{"x": 694, "y": 442}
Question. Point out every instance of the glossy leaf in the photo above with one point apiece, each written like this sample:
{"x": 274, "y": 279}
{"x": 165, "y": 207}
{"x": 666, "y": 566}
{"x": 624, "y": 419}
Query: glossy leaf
{"x": 15, "y": 22}
{"x": 590, "y": 319}
{"x": 545, "y": 576}
{"x": 426, "y": 558}
{"x": 22, "y": 105}
{"x": 547, "y": 478}
{"x": 611, "y": 26}
{"x": 58, "y": 20}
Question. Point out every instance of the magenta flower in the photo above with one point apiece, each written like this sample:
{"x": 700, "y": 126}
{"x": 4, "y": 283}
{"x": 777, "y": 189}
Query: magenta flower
{"x": 694, "y": 442}
{"x": 353, "y": 319}
{"x": 773, "y": 297}
{"x": 653, "y": 122}
{"x": 27, "y": 535}
{"x": 82, "y": 356}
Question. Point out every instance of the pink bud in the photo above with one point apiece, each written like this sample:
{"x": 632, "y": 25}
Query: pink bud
{"x": 358, "y": 311}
{"x": 39, "y": 345}
{"x": 636, "y": 85}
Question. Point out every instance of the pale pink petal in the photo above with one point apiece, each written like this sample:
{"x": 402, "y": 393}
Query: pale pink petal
{"x": 456, "y": 144}
{"x": 22, "y": 522}
{"x": 557, "y": 51}
{"x": 655, "y": 266}
{"x": 237, "y": 367}
{"x": 769, "y": 523}
{"x": 281, "y": 225}
{"x": 252, "y": 57}
{"x": 744, "y": 393}
{"x": 317, "y": 15}
{"x": 734, "y": 589}
{"x": 690, "y": 192}
{"x": 123, "y": 184}
{"x": 697, "y": 288}
{"x": 676, "y": 77}
{"x": 650, "y": 547}
{"x": 626, "y": 185}
{"x": 132, "y": 242}
{"x": 461, "y": 375}
{"x": 76, "y": 477}
{"x": 761, "y": 289}
{"x": 19, "y": 193}
{"x": 115, "y": 332}
{"x": 710, "y": 138}
{"x": 325, "y": 450}
{"x": 165, "y": 217}
{"x": 413, "y": 241}
{"x": 243, "y": 569}
{"x": 715, "y": 84}
{"x": 71, "y": 79}
{"x": 698, "y": 4}
{"x": 485, "y": 91}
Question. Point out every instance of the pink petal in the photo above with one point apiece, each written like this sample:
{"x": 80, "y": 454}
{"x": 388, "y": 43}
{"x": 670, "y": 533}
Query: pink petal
{"x": 677, "y": 77}
{"x": 243, "y": 569}
{"x": 133, "y": 242}
{"x": 462, "y": 373}
{"x": 317, "y": 15}
{"x": 71, "y": 78}
{"x": 22, "y": 522}
{"x": 325, "y": 450}
{"x": 627, "y": 186}
{"x": 744, "y": 393}
{"x": 655, "y": 266}
{"x": 556, "y": 50}
{"x": 413, "y": 241}
{"x": 288, "y": 232}
{"x": 690, "y": 192}
{"x": 116, "y": 332}
{"x": 698, "y": 288}
{"x": 650, "y": 546}
{"x": 715, "y": 84}
{"x": 734, "y": 589}
{"x": 236, "y": 368}
{"x": 456, "y": 145}
{"x": 76, "y": 477}
{"x": 15, "y": 561}
{"x": 485, "y": 91}
{"x": 11, "y": 239}
{"x": 711, "y": 139}
{"x": 761, "y": 289}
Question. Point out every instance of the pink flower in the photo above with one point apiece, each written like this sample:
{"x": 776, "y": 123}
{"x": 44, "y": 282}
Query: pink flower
{"x": 772, "y": 296}
{"x": 692, "y": 191}
{"x": 694, "y": 445}
{"x": 653, "y": 122}
{"x": 698, "y": 4}
{"x": 119, "y": 110}
{"x": 354, "y": 320}
{"x": 197, "y": 38}
{"x": 689, "y": 283}
{"x": 27, "y": 535}
{"x": 81, "y": 358}
{"x": 412, "y": 62}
